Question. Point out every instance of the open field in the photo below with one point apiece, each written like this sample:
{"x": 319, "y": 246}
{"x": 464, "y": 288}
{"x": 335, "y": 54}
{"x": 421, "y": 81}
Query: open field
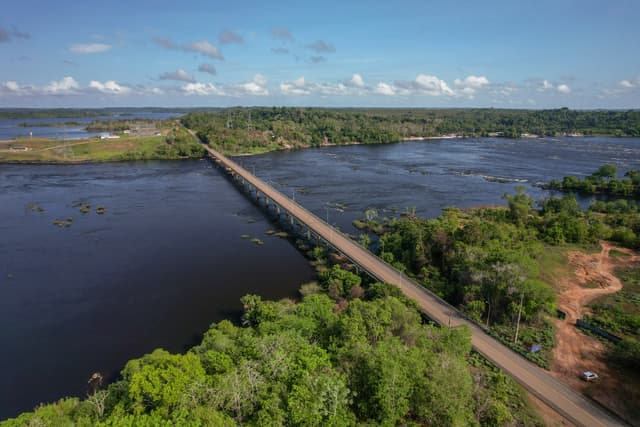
{"x": 577, "y": 351}
{"x": 173, "y": 143}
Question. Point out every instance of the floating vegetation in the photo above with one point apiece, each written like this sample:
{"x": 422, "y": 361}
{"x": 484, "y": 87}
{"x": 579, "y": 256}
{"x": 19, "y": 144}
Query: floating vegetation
{"x": 270, "y": 232}
{"x": 85, "y": 208}
{"x": 245, "y": 236}
{"x": 257, "y": 241}
{"x": 34, "y": 207}
{"x": 63, "y": 222}
{"x": 251, "y": 221}
{"x": 100, "y": 210}
{"x": 281, "y": 234}
{"x": 9, "y": 276}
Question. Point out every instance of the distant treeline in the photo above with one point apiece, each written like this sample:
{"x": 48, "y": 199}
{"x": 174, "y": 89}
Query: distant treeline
{"x": 264, "y": 129}
{"x": 602, "y": 181}
{"x": 117, "y": 125}
{"x": 49, "y": 113}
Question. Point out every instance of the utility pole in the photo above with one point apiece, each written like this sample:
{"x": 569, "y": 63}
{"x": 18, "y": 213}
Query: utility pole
{"x": 515, "y": 339}
{"x": 249, "y": 122}
{"x": 228, "y": 119}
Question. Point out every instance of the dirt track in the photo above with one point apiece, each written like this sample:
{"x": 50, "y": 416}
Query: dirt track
{"x": 558, "y": 396}
{"x": 575, "y": 351}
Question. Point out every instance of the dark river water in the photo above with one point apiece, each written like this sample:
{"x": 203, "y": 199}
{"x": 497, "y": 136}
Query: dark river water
{"x": 163, "y": 262}
{"x": 342, "y": 182}
{"x": 167, "y": 257}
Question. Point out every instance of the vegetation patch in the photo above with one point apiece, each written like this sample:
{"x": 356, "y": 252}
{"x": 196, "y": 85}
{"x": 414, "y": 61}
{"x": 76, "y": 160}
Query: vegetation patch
{"x": 63, "y": 223}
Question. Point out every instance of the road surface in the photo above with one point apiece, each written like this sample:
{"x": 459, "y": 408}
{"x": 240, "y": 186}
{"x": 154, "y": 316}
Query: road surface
{"x": 570, "y": 404}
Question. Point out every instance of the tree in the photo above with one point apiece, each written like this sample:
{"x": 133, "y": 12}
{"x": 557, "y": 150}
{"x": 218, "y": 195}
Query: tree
{"x": 159, "y": 380}
{"x": 321, "y": 399}
{"x": 607, "y": 171}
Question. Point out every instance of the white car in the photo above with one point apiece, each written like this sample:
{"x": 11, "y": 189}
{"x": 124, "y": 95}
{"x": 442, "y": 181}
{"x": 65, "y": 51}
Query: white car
{"x": 589, "y": 376}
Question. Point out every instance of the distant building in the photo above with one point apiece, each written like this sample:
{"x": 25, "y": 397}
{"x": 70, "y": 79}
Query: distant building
{"x": 108, "y": 136}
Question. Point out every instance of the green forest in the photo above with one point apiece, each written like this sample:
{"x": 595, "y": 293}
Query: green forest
{"x": 353, "y": 352}
{"x": 492, "y": 263}
{"x": 603, "y": 181}
{"x": 255, "y": 130}
{"x": 363, "y": 357}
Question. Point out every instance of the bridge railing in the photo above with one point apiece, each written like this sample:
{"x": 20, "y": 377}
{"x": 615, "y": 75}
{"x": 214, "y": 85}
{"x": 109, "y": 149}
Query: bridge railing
{"x": 401, "y": 275}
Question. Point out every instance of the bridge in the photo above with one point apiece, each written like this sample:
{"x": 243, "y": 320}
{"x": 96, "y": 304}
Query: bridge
{"x": 573, "y": 406}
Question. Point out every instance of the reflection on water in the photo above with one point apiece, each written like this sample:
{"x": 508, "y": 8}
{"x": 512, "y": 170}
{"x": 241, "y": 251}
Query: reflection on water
{"x": 164, "y": 261}
{"x": 167, "y": 257}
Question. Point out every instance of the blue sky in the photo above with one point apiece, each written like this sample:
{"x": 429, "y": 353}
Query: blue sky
{"x": 533, "y": 54}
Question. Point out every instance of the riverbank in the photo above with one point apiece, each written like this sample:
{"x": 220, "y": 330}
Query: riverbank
{"x": 168, "y": 143}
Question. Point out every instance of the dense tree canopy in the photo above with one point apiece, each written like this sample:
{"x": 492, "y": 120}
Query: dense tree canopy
{"x": 243, "y": 130}
{"x": 324, "y": 361}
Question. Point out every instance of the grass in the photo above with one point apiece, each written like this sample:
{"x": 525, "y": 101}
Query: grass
{"x": 542, "y": 334}
{"x": 617, "y": 254}
{"x": 619, "y": 313}
{"x": 42, "y": 150}
{"x": 553, "y": 264}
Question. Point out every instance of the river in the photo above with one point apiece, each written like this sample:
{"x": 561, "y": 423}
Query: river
{"x": 57, "y": 127}
{"x": 164, "y": 261}
{"x": 167, "y": 258}
{"x": 341, "y": 182}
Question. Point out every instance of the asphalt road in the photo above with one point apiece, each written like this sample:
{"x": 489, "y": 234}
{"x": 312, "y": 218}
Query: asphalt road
{"x": 570, "y": 404}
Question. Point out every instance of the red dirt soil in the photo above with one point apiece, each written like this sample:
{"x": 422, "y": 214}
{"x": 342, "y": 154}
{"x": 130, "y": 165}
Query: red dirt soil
{"x": 576, "y": 352}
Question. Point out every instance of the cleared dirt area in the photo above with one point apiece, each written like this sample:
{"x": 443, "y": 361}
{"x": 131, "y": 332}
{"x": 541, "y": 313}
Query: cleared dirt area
{"x": 576, "y": 351}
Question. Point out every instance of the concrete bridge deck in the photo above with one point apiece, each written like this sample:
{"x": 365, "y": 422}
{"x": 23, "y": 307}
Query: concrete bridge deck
{"x": 570, "y": 404}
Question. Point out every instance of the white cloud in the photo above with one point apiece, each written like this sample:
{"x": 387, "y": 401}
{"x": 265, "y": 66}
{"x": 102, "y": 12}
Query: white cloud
{"x": 109, "y": 87}
{"x": 205, "y": 48}
{"x": 65, "y": 86}
{"x": 256, "y": 87}
{"x": 202, "y": 89}
{"x": 564, "y": 89}
{"x": 472, "y": 81}
{"x": 432, "y": 86}
{"x": 83, "y": 49}
{"x": 384, "y": 89}
{"x": 357, "y": 81}
{"x": 295, "y": 87}
{"x": 178, "y": 75}
{"x": 470, "y": 85}
{"x": 11, "y": 86}
{"x": 546, "y": 85}
{"x": 630, "y": 83}
{"x": 300, "y": 86}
